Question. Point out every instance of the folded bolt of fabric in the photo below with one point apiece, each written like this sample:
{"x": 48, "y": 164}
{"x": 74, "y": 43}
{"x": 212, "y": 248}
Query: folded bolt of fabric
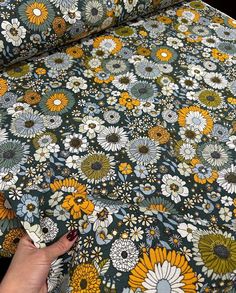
{"x": 30, "y": 27}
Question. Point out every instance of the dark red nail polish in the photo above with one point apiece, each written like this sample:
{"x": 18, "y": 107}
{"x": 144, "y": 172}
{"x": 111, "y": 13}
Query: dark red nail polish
{"x": 71, "y": 235}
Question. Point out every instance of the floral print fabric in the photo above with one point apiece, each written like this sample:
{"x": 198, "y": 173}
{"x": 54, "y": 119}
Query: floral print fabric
{"x": 130, "y": 139}
{"x": 29, "y": 27}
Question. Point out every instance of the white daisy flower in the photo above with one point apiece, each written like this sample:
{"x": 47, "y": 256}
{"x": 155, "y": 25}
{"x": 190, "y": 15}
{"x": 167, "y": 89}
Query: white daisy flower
{"x": 13, "y": 31}
{"x": 174, "y": 187}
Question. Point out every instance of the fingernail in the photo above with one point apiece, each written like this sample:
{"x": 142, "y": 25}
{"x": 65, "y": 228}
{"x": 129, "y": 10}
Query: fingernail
{"x": 71, "y": 235}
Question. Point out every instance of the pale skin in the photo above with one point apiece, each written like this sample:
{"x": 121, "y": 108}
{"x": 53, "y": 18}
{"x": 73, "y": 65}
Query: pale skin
{"x": 30, "y": 266}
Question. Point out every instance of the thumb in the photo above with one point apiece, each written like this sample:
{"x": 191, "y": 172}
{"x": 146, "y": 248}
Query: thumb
{"x": 60, "y": 247}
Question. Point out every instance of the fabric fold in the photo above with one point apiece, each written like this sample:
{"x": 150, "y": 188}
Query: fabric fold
{"x": 29, "y": 27}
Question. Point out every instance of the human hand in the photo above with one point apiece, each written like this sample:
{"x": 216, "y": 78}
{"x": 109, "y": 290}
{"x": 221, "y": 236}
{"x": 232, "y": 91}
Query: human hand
{"x": 30, "y": 266}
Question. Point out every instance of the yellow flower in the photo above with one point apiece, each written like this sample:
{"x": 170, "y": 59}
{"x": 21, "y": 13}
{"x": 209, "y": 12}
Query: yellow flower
{"x": 219, "y": 55}
{"x": 37, "y": 13}
{"x": 143, "y": 33}
{"x": 231, "y": 100}
{"x": 57, "y": 102}
{"x": 127, "y": 101}
{"x": 85, "y": 279}
{"x": 143, "y": 51}
{"x": 77, "y": 202}
{"x": 3, "y": 86}
{"x": 194, "y": 115}
{"x": 160, "y": 265}
{"x": 125, "y": 168}
{"x": 40, "y": 71}
{"x": 6, "y": 212}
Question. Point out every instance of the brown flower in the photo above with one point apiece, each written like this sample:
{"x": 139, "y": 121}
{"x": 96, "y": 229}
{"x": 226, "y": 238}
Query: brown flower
{"x": 159, "y": 134}
{"x": 12, "y": 239}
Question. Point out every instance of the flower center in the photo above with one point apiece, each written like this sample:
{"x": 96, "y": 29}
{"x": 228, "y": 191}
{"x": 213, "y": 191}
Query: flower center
{"x": 112, "y": 137}
{"x": 92, "y": 125}
{"x": 30, "y": 207}
{"x": 163, "y": 286}
{"x": 215, "y": 155}
{"x": 29, "y": 123}
{"x": 221, "y": 251}
{"x": 8, "y": 154}
{"x": 75, "y": 142}
{"x": 14, "y": 31}
{"x": 37, "y": 12}
{"x": 124, "y": 254}
{"x": 83, "y": 284}
{"x": 96, "y": 166}
{"x": 57, "y": 102}
{"x": 174, "y": 187}
{"x": 231, "y": 177}
{"x": 45, "y": 230}
{"x": 190, "y": 134}
{"x": 143, "y": 149}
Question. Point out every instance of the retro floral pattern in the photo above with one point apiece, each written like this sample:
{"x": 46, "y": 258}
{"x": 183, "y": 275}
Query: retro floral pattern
{"x": 128, "y": 136}
{"x": 31, "y": 27}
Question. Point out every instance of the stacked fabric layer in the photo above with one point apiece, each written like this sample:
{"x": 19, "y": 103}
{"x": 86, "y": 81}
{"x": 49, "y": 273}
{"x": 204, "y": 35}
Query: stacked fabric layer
{"x": 129, "y": 136}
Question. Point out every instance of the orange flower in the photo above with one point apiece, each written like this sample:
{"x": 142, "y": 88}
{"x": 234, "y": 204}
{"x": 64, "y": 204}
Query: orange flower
{"x": 3, "y": 86}
{"x": 125, "y": 168}
{"x": 75, "y": 52}
{"x": 164, "y": 19}
{"x": 160, "y": 264}
{"x": 219, "y": 55}
{"x": 110, "y": 43}
{"x": 127, "y": 101}
{"x": 6, "y": 212}
{"x": 164, "y": 54}
{"x": 68, "y": 184}
{"x": 77, "y": 203}
{"x": 188, "y": 115}
{"x": 57, "y": 102}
